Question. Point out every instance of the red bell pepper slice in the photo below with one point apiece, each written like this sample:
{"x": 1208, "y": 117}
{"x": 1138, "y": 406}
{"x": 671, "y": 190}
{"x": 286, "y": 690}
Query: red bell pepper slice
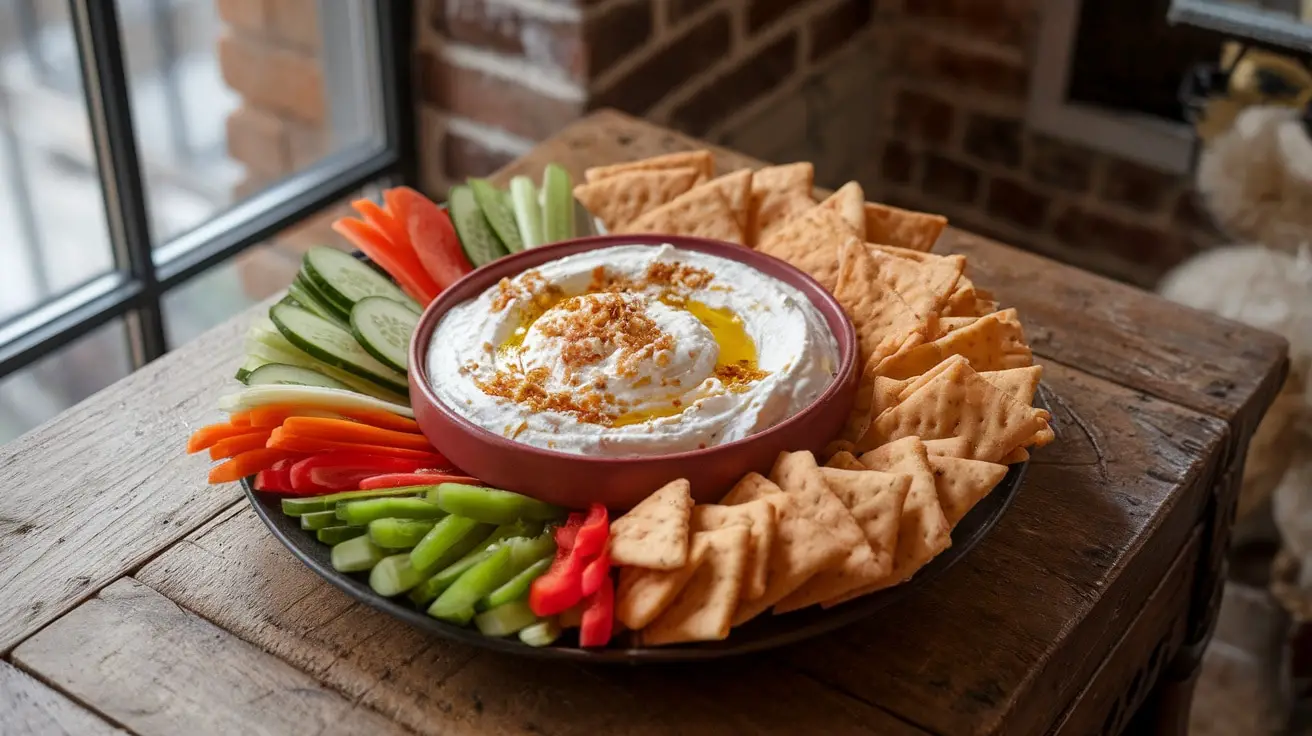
{"x": 598, "y": 616}
{"x": 277, "y": 479}
{"x": 421, "y": 478}
{"x": 343, "y": 471}
{"x": 578, "y": 543}
{"x": 430, "y": 234}
{"x": 596, "y": 573}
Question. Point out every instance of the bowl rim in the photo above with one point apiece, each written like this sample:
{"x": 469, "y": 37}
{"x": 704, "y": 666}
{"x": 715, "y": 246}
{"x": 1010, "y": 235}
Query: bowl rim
{"x": 812, "y": 289}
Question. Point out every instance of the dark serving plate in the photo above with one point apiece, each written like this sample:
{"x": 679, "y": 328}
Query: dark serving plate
{"x": 765, "y": 632}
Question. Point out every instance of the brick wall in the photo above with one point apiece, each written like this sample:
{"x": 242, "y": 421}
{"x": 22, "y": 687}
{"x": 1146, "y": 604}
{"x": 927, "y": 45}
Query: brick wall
{"x": 923, "y": 101}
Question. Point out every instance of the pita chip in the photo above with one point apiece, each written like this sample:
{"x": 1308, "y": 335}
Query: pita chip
{"x": 1018, "y": 455}
{"x": 875, "y": 500}
{"x": 1018, "y": 383}
{"x": 758, "y": 517}
{"x": 799, "y": 476}
{"x": 962, "y": 483}
{"x": 912, "y": 385}
{"x": 704, "y": 608}
{"x": 951, "y": 324}
{"x": 811, "y": 242}
{"x": 904, "y": 253}
{"x": 701, "y": 212}
{"x": 736, "y": 188}
{"x": 991, "y": 343}
{"x": 849, "y": 202}
{"x": 641, "y": 594}
{"x": 902, "y": 228}
{"x": 959, "y": 403}
{"x": 844, "y": 460}
{"x": 948, "y": 447}
{"x": 923, "y": 531}
{"x": 778, "y": 193}
{"x": 801, "y": 549}
{"x": 618, "y": 200}
{"x": 924, "y": 286}
{"x": 883, "y": 321}
{"x": 701, "y": 160}
{"x": 963, "y": 301}
{"x": 749, "y": 488}
{"x": 654, "y": 534}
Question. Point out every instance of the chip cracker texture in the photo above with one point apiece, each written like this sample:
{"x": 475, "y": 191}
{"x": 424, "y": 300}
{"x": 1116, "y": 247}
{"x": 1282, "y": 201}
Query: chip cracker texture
{"x": 654, "y": 534}
{"x": 758, "y": 517}
{"x": 622, "y": 198}
{"x": 703, "y": 609}
{"x": 902, "y": 228}
{"x": 701, "y": 160}
{"x": 643, "y": 594}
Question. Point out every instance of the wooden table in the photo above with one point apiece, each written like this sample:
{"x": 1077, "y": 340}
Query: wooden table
{"x": 136, "y": 597}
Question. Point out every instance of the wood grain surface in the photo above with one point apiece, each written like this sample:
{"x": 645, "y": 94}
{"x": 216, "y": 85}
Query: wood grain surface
{"x": 30, "y": 708}
{"x": 137, "y": 657}
{"x": 237, "y": 575}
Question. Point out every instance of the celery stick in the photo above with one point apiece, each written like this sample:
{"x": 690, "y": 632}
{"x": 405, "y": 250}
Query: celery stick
{"x": 319, "y": 519}
{"x": 558, "y": 204}
{"x": 456, "y": 604}
{"x": 528, "y": 214}
{"x": 359, "y": 513}
{"x": 448, "y": 573}
{"x": 331, "y": 535}
{"x": 540, "y": 634}
{"x": 438, "y": 541}
{"x": 299, "y": 506}
{"x": 356, "y": 555}
{"x": 398, "y": 533}
{"x": 394, "y": 575}
{"x": 516, "y": 589}
{"x": 490, "y": 505}
{"x": 506, "y": 619}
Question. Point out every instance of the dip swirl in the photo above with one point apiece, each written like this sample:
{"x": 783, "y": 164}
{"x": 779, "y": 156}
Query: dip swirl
{"x": 632, "y": 350}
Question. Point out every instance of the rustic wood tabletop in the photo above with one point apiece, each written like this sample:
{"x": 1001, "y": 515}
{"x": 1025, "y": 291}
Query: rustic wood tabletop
{"x": 137, "y": 598}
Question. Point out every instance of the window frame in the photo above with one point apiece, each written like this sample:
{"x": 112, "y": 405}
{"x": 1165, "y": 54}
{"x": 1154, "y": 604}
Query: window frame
{"x": 144, "y": 274}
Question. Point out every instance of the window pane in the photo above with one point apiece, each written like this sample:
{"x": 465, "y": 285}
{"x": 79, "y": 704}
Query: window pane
{"x": 53, "y": 235}
{"x": 230, "y": 96}
{"x": 249, "y": 278}
{"x": 38, "y": 392}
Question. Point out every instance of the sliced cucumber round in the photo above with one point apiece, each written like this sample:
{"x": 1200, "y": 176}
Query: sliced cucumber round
{"x": 496, "y": 208}
{"x": 345, "y": 280}
{"x": 252, "y": 362}
{"x": 326, "y": 342}
{"x": 281, "y": 374}
{"x": 305, "y": 297}
{"x": 384, "y": 328}
{"x": 480, "y": 243}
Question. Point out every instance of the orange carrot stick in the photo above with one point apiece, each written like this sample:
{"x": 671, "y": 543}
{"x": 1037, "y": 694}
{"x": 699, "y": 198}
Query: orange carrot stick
{"x": 294, "y": 443}
{"x": 273, "y": 415}
{"x": 249, "y": 463}
{"x": 240, "y": 418}
{"x": 205, "y": 437}
{"x": 402, "y": 264}
{"x": 340, "y": 430}
{"x": 383, "y": 222}
{"x": 383, "y": 420}
{"x": 233, "y": 446}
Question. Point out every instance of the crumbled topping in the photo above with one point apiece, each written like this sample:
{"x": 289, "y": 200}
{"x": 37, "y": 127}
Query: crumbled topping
{"x": 738, "y": 377}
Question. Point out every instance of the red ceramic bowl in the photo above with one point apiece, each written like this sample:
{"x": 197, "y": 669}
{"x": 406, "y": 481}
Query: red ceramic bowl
{"x": 575, "y": 481}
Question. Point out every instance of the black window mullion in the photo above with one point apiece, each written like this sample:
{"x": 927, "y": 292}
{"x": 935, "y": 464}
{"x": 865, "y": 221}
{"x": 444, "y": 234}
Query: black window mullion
{"x": 109, "y": 103}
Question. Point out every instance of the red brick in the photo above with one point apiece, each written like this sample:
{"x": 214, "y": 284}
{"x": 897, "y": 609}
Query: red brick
{"x": 273, "y": 78}
{"x": 950, "y": 180}
{"x": 259, "y": 140}
{"x": 308, "y": 144}
{"x": 897, "y": 164}
{"x": 761, "y": 13}
{"x": 753, "y": 77}
{"x": 467, "y": 157}
{"x": 492, "y": 100}
{"x": 296, "y": 22}
{"x": 993, "y": 139}
{"x": 614, "y": 34}
{"x": 833, "y": 28}
{"x": 923, "y": 117}
{"x": 1153, "y": 249}
{"x": 1018, "y": 204}
{"x": 1060, "y": 164}
{"x": 248, "y": 15}
{"x": 1138, "y": 187}
{"x": 504, "y": 28}
{"x": 669, "y": 68}
{"x": 1006, "y": 22}
{"x": 931, "y": 59}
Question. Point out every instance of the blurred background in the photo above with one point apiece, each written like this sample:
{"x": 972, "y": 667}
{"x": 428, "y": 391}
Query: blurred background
{"x": 163, "y": 163}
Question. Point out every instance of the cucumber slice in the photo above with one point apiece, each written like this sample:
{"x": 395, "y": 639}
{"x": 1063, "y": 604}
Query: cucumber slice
{"x": 384, "y": 328}
{"x": 319, "y": 520}
{"x": 332, "y": 535}
{"x": 506, "y": 619}
{"x": 476, "y": 236}
{"x": 305, "y": 298}
{"x": 496, "y": 208}
{"x": 280, "y": 374}
{"x": 271, "y": 347}
{"x": 326, "y": 342}
{"x": 558, "y": 204}
{"x": 345, "y": 280}
{"x": 252, "y": 362}
{"x": 540, "y": 634}
{"x": 528, "y": 213}
{"x": 315, "y": 504}
{"x": 356, "y": 555}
